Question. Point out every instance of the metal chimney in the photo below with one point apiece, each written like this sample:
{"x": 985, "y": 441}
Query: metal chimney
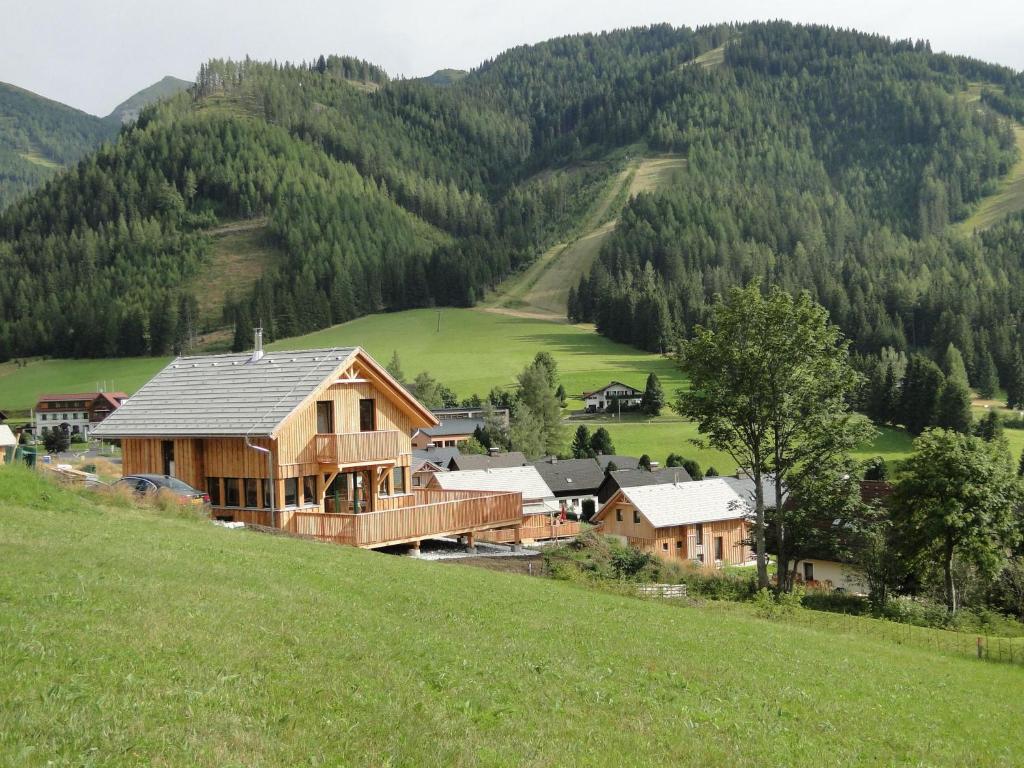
{"x": 257, "y": 352}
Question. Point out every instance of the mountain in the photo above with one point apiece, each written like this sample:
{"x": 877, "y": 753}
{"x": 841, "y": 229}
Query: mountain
{"x": 38, "y": 137}
{"x": 819, "y": 159}
{"x": 446, "y": 76}
{"x": 129, "y": 109}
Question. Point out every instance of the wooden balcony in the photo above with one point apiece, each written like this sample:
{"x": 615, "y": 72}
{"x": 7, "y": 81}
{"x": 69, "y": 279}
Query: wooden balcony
{"x": 431, "y": 513}
{"x": 358, "y": 448}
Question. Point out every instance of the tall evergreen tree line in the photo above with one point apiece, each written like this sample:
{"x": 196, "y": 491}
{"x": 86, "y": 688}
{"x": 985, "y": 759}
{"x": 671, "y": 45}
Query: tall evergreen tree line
{"x": 817, "y": 159}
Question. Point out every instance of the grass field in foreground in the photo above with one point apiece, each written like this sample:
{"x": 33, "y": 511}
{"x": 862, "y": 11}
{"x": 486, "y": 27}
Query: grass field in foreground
{"x": 131, "y": 638}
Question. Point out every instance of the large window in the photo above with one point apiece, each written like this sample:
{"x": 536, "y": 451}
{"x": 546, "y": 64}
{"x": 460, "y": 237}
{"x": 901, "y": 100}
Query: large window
{"x": 251, "y": 484}
{"x": 291, "y": 491}
{"x": 808, "y": 571}
{"x": 266, "y": 494}
{"x": 698, "y": 531}
{"x": 719, "y": 548}
{"x": 309, "y": 489}
{"x": 231, "y": 495}
{"x": 213, "y": 488}
{"x": 636, "y": 517}
{"x": 325, "y": 417}
{"x": 398, "y": 480}
{"x": 367, "y": 415}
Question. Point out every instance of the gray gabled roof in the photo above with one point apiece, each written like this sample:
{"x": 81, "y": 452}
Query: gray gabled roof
{"x": 223, "y": 395}
{"x": 580, "y": 476}
{"x": 450, "y": 427}
{"x": 468, "y": 461}
{"x": 436, "y": 454}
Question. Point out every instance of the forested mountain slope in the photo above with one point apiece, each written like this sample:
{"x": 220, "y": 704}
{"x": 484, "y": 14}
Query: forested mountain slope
{"x": 164, "y": 88}
{"x": 38, "y": 137}
{"x": 816, "y": 158}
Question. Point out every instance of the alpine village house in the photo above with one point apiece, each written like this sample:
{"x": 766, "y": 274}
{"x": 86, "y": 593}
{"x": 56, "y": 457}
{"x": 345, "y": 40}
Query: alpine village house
{"x": 314, "y": 442}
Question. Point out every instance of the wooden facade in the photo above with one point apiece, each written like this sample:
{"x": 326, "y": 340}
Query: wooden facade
{"x": 339, "y": 469}
{"x": 710, "y": 544}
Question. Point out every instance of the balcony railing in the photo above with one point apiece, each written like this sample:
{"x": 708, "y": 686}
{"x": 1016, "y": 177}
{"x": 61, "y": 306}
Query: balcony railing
{"x": 438, "y": 513}
{"x": 358, "y": 447}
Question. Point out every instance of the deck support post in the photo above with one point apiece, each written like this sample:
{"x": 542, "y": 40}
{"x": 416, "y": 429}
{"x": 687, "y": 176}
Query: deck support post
{"x": 471, "y": 543}
{"x": 414, "y": 549}
{"x": 517, "y": 543}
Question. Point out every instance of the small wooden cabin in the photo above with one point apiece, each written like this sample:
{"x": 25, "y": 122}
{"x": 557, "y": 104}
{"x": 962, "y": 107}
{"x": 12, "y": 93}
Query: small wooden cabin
{"x": 703, "y": 522}
{"x": 312, "y": 441}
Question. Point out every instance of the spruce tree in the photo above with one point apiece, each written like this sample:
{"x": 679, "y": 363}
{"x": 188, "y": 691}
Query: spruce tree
{"x": 1015, "y": 385}
{"x": 920, "y": 395}
{"x": 394, "y": 367}
{"x": 654, "y": 396}
{"x": 601, "y": 443}
{"x": 989, "y": 427}
{"x": 581, "y": 443}
{"x": 953, "y": 410}
{"x": 988, "y": 376}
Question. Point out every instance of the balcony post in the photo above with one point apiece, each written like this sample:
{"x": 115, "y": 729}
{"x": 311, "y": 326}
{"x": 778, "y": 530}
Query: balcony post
{"x": 471, "y": 543}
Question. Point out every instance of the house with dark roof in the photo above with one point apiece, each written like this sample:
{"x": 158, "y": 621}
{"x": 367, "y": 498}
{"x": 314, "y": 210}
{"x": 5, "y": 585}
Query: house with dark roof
{"x": 445, "y": 434}
{"x": 631, "y": 478}
{"x": 315, "y": 442}
{"x": 620, "y": 462}
{"x": 704, "y": 522}
{"x": 608, "y": 396}
{"x": 470, "y": 412}
{"x": 491, "y": 460}
{"x": 574, "y": 482}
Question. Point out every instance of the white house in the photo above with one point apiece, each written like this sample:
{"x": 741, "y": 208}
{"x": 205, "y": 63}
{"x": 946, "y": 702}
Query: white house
{"x": 602, "y": 399}
{"x": 538, "y": 498}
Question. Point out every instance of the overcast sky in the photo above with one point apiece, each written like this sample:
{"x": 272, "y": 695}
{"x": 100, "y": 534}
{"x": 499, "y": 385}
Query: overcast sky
{"x": 92, "y": 54}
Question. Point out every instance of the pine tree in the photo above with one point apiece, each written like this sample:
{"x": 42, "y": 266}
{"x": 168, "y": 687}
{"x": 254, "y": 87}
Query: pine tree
{"x": 395, "y": 368}
{"x": 654, "y": 396}
{"x": 644, "y": 463}
{"x": 988, "y": 377}
{"x": 953, "y": 365}
{"x": 990, "y": 427}
{"x": 920, "y": 394}
{"x": 1015, "y": 385}
{"x": 581, "y": 443}
{"x": 953, "y": 410}
{"x": 601, "y": 443}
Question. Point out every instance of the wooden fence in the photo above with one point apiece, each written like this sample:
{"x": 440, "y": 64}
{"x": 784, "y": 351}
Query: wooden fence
{"x": 357, "y": 447}
{"x": 443, "y": 513}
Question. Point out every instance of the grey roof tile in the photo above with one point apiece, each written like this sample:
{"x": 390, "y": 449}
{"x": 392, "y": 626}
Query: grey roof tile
{"x": 223, "y": 395}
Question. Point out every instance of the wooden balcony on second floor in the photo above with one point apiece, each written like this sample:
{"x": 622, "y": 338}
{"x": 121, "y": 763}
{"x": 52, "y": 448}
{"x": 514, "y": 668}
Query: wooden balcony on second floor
{"x": 352, "y": 449}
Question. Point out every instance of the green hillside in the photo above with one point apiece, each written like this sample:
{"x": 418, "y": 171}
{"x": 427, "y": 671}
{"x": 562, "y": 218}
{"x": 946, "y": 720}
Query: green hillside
{"x": 133, "y": 637}
{"x": 38, "y": 137}
{"x": 381, "y": 194}
{"x": 129, "y": 109}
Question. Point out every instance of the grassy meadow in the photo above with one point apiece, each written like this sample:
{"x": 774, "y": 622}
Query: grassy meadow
{"x": 133, "y": 637}
{"x": 470, "y": 351}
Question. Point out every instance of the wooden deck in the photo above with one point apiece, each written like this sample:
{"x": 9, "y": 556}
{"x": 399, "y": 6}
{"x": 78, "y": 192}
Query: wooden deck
{"x": 534, "y": 530}
{"x": 429, "y": 514}
{"x": 359, "y": 448}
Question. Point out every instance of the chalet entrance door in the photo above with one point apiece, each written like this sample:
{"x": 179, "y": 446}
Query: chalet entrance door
{"x": 167, "y": 450}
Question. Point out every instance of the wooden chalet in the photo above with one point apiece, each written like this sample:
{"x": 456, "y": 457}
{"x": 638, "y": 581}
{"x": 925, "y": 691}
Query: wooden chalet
{"x": 314, "y": 442}
{"x": 699, "y": 521}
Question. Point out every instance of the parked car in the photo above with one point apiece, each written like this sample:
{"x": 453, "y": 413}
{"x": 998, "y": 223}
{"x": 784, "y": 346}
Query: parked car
{"x": 144, "y": 485}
